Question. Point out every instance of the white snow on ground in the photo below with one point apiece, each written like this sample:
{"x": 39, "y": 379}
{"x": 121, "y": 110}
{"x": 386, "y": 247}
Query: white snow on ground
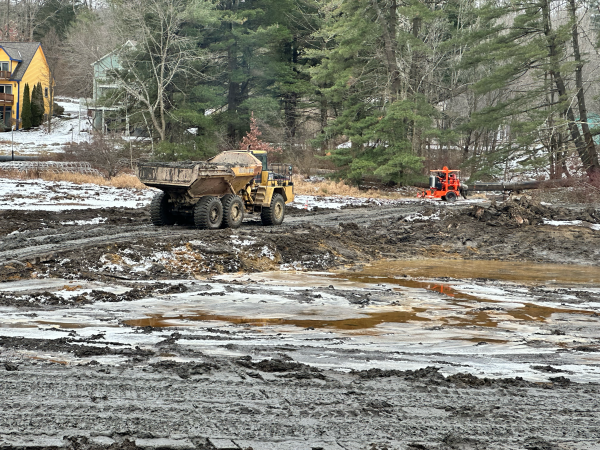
{"x": 579, "y": 223}
{"x": 39, "y": 141}
{"x": 421, "y": 217}
{"x": 95, "y": 221}
{"x": 59, "y": 196}
{"x": 311, "y": 202}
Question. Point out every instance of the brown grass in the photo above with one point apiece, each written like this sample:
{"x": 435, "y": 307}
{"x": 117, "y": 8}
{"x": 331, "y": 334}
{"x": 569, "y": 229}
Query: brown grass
{"x": 120, "y": 181}
{"x": 301, "y": 187}
{"x": 340, "y": 189}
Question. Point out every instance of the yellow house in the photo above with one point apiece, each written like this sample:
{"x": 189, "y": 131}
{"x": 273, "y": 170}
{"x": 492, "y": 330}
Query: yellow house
{"x": 21, "y": 63}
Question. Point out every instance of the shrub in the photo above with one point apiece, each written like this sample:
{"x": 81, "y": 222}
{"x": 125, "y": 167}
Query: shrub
{"x": 107, "y": 153}
{"x": 58, "y": 110}
{"x": 26, "y": 118}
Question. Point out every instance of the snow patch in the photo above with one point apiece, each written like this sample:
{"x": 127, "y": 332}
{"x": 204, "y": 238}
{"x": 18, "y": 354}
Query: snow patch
{"x": 41, "y": 195}
{"x": 94, "y": 221}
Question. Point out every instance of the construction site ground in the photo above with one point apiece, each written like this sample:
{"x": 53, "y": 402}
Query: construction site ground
{"x": 412, "y": 325}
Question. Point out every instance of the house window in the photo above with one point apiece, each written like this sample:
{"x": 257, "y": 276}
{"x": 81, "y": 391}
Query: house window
{"x": 6, "y": 116}
{"x": 4, "y": 66}
{"x": 46, "y": 92}
{"x": 5, "y": 89}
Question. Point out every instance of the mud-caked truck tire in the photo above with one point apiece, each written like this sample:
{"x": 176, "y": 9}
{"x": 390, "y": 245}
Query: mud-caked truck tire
{"x": 160, "y": 210}
{"x": 233, "y": 211}
{"x": 208, "y": 213}
{"x": 275, "y": 213}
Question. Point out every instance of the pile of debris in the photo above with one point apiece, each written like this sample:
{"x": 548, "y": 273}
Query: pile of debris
{"x": 523, "y": 210}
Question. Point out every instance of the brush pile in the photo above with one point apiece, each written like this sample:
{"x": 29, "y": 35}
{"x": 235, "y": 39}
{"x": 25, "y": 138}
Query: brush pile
{"x": 523, "y": 211}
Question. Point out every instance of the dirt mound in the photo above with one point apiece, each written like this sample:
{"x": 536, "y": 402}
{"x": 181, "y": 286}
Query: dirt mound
{"x": 523, "y": 211}
{"x": 68, "y": 345}
{"x": 184, "y": 369}
{"x": 275, "y": 365}
{"x": 431, "y": 375}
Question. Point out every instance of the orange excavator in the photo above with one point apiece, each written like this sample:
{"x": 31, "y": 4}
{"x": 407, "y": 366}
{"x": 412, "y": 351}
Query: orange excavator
{"x": 445, "y": 184}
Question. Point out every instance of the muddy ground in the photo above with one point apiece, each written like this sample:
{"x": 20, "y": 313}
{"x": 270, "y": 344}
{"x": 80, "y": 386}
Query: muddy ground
{"x": 123, "y": 244}
{"x": 63, "y": 388}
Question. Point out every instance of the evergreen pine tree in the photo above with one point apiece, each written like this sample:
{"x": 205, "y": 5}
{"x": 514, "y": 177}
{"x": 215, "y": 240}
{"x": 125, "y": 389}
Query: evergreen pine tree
{"x": 41, "y": 103}
{"x": 37, "y": 105}
{"x": 26, "y": 109}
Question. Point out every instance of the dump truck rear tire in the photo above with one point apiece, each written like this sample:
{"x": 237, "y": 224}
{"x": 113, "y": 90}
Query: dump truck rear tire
{"x": 208, "y": 213}
{"x": 160, "y": 210}
{"x": 274, "y": 214}
{"x": 233, "y": 211}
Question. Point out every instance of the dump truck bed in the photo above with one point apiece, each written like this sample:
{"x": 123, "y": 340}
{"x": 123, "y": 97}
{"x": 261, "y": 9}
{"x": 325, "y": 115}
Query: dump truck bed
{"x": 226, "y": 173}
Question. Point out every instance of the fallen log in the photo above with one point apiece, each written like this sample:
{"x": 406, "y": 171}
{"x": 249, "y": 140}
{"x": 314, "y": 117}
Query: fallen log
{"x": 517, "y": 186}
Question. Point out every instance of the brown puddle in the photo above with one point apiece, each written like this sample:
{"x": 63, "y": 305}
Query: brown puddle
{"x": 495, "y": 270}
{"x": 478, "y": 340}
{"x": 68, "y": 325}
{"x": 55, "y": 361}
{"x": 359, "y": 323}
{"x": 401, "y": 273}
{"x": 529, "y": 312}
{"x": 445, "y": 289}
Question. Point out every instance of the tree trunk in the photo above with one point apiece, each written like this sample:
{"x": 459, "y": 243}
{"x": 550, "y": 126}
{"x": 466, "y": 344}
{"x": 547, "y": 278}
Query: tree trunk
{"x": 562, "y": 89}
{"x": 589, "y": 156}
{"x": 291, "y": 98}
{"x": 416, "y": 57}
{"x": 233, "y": 95}
{"x": 389, "y": 41}
{"x": 7, "y": 31}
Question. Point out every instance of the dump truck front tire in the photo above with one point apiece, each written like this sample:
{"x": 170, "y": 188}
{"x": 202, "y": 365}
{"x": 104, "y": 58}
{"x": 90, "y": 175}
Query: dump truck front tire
{"x": 160, "y": 211}
{"x": 208, "y": 213}
{"x": 233, "y": 211}
{"x": 274, "y": 214}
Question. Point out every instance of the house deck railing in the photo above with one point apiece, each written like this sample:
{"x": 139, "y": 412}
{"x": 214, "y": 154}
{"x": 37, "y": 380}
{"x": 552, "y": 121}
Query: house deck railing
{"x": 5, "y": 74}
{"x": 6, "y": 98}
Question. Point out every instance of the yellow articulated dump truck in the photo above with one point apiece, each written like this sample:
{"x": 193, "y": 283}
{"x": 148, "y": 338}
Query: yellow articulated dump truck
{"x": 217, "y": 193}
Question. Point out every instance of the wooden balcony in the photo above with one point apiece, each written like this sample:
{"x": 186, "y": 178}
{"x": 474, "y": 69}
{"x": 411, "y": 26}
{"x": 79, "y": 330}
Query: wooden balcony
{"x": 6, "y": 99}
{"x": 5, "y": 75}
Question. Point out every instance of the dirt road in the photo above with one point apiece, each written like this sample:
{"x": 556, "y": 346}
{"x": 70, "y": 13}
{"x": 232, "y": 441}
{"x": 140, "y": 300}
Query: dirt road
{"x": 80, "y": 370}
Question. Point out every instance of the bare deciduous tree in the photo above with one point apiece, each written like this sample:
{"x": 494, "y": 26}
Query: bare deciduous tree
{"x": 91, "y": 37}
{"x": 52, "y": 50}
{"x": 160, "y": 54}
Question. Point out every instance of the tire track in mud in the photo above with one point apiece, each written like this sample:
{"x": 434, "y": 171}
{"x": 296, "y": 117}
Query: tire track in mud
{"x": 39, "y": 252}
{"x": 341, "y": 410}
{"x": 35, "y": 248}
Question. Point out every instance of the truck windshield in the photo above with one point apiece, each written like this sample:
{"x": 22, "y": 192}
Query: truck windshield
{"x": 263, "y": 159}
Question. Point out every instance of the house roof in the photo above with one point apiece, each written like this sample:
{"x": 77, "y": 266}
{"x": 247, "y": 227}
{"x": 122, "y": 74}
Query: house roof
{"x": 22, "y": 52}
{"x": 129, "y": 43}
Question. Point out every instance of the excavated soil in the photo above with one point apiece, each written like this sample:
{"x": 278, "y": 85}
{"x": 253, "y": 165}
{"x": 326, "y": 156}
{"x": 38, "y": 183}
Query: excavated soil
{"x": 38, "y": 243}
{"x": 79, "y": 391}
